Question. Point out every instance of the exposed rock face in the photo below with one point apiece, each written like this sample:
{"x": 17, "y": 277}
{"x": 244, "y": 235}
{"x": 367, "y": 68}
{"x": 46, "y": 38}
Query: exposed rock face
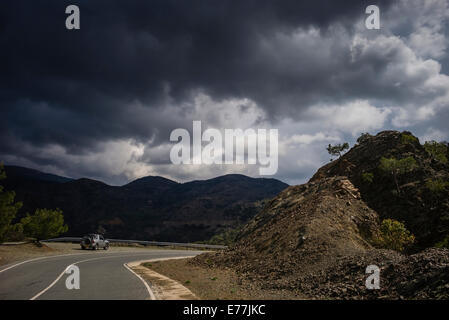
{"x": 316, "y": 239}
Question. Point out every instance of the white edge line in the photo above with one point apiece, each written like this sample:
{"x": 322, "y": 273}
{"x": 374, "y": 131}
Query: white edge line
{"x": 137, "y": 263}
{"x": 152, "y": 296}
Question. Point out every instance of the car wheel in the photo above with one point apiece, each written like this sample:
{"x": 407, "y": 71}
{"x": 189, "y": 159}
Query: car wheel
{"x": 96, "y": 247}
{"x": 83, "y": 248}
{"x": 106, "y": 247}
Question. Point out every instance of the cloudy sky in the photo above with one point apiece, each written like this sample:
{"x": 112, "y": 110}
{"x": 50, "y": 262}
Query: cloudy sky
{"x": 101, "y": 102}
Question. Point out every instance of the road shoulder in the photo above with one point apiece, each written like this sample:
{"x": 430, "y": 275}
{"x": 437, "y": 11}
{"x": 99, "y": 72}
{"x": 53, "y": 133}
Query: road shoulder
{"x": 215, "y": 283}
{"x": 162, "y": 287}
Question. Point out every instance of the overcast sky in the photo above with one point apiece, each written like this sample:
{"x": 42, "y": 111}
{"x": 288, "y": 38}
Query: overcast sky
{"x": 100, "y": 102}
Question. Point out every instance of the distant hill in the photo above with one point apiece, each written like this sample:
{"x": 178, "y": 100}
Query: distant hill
{"x": 21, "y": 173}
{"x": 149, "y": 208}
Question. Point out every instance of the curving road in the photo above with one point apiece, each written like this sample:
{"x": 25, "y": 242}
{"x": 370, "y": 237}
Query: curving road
{"x": 103, "y": 275}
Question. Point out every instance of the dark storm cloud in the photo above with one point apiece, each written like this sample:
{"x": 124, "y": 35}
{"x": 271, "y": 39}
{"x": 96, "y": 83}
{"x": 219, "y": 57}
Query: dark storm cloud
{"x": 74, "y": 88}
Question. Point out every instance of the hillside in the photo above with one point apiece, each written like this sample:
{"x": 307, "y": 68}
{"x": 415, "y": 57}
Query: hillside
{"x": 425, "y": 212}
{"x": 317, "y": 239}
{"x": 149, "y": 208}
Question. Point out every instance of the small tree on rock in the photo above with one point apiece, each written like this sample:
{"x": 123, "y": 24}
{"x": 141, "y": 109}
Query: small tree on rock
{"x": 336, "y": 150}
{"x": 396, "y": 167}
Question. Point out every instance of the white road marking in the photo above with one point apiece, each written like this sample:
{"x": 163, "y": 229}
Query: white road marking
{"x": 60, "y": 255}
{"x": 62, "y": 273}
{"x": 150, "y": 292}
{"x": 40, "y": 258}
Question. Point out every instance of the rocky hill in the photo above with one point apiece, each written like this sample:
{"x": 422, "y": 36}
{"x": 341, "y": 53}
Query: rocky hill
{"x": 425, "y": 211}
{"x": 317, "y": 239}
{"x": 150, "y": 208}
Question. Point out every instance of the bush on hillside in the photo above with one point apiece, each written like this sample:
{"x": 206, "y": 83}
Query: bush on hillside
{"x": 436, "y": 186}
{"x": 436, "y": 150}
{"x": 409, "y": 139}
{"x": 394, "y": 235}
{"x": 367, "y": 177}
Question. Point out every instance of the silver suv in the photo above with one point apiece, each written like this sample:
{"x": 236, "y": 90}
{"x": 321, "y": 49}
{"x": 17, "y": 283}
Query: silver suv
{"x": 94, "y": 241}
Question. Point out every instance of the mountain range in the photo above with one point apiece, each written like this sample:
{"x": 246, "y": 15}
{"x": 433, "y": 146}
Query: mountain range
{"x": 149, "y": 208}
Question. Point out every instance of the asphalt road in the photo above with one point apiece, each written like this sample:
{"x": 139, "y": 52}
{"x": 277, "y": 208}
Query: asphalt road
{"x": 103, "y": 275}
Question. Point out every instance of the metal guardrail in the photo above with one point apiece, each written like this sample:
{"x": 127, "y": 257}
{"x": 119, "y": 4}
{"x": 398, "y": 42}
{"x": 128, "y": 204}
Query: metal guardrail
{"x": 145, "y": 243}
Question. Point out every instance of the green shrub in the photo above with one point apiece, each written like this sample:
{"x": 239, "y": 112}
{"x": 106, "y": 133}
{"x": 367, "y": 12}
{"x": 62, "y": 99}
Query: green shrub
{"x": 15, "y": 232}
{"x": 444, "y": 243}
{"x": 367, "y": 177}
{"x": 409, "y": 139}
{"x": 394, "y": 235}
{"x": 226, "y": 237}
{"x": 436, "y": 186}
{"x": 436, "y": 150}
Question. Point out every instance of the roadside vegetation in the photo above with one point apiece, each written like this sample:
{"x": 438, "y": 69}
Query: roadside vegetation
{"x": 43, "y": 224}
{"x": 226, "y": 238}
{"x": 8, "y": 208}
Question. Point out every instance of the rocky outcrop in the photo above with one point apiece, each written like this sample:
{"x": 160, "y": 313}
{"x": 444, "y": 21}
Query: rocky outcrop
{"x": 315, "y": 239}
{"x": 424, "y": 212}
